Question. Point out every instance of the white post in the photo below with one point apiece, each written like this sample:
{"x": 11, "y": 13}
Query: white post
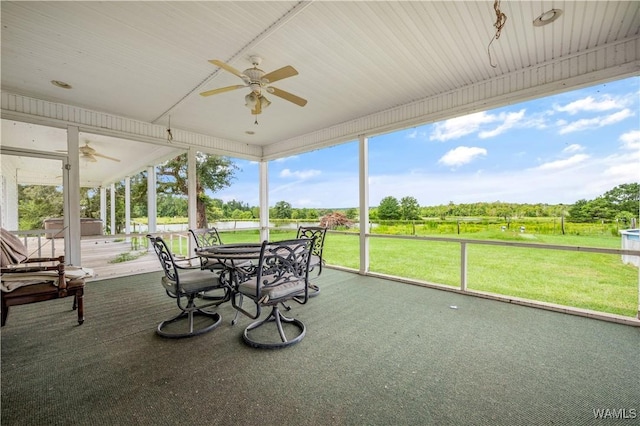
{"x": 192, "y": 197}
{"x": 364, "y": 203}
{"x": 127, "y": 207}
{"x": 264, "y": 200}
{"x": 71, "y": 195}
{"x": 463, "y": 266}
{"x": 103, "y": 207}
{"x": 112, "y": 201}
{"x": 152, "y": 211}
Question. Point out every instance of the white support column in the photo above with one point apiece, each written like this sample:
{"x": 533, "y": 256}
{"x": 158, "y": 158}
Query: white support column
{"x": 127, "y": 206}
{"x": 112, "y": 202}
{"x": 463, "y": 266}
{"x": 264, "y": 200}
{"x": 103, "y": 207}
{"x": 71, "y": 195}
{"x": 152, "y": 209}
{"x": 364, "y": 203}
{"x": 192, "y": 198}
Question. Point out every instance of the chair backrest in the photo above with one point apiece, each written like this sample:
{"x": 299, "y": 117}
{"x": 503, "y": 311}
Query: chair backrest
{"x": 317, "y": 233}
{"x": 280, "y": 263}
{"x": 206, "y": 237}
{"x": 165, "y": 257}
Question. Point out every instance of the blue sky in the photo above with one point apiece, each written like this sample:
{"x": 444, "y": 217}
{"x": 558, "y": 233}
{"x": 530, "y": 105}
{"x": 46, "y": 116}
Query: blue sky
{"x": 559, "y": 149}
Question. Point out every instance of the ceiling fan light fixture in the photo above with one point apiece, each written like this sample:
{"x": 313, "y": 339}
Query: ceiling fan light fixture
{"x": 251, "y": 100}
{"x": 264, "y": 102}
{"x": 547, "y": 17}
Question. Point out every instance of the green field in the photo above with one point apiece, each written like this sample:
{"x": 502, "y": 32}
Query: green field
{"x": 599, "y": 282}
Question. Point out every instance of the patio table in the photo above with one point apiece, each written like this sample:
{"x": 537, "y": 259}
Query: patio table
{"x": 231, "y": 257}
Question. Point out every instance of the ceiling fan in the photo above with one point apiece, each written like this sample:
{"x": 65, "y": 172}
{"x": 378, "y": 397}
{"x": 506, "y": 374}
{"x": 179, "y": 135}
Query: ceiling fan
{"x": 89, "y": 154}
{"x": 259, "y": 82}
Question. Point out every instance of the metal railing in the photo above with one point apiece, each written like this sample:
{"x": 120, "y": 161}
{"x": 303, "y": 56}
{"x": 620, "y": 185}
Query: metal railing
{"x": 179, "y": 241}
{"x": 462, "y": 286}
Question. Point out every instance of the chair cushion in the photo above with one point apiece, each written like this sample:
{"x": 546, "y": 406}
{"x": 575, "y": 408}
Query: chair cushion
{"x": 11, "y": 281}
{"x": 314, "y": 260}
{"x": 280, "y": 291}
{"x": 193, "y": 281}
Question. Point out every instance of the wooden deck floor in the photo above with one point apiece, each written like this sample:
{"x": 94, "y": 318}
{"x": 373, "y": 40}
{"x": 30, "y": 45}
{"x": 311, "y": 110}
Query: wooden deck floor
{"x": 100, "y": 254}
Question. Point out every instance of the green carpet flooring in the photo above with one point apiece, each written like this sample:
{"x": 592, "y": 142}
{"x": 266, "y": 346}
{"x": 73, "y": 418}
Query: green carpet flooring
{"x": 376, "y": 353}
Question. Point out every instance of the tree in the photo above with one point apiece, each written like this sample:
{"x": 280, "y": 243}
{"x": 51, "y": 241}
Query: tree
{"x": 282, "y": 210}
{"x": 624, "y": 198}
{"x": 389, "y": 209}
{"x": 213, "y": 173}
{"x": 37, "y": 203}
{"x": 578, "y": 211}
{"x": 335, "y": 219}
{"x": 409, "y": 208}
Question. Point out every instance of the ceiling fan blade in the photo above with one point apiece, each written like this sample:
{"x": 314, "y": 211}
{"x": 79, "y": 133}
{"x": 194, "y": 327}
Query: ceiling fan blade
{"x": 227, "y": 67}
{"x": 279, "y": 74}
{"x": 86, "y": 149}
{"x": 89, "y": 157}
{"x": 288, "y": 96}
{"x": 222, "y": 90}
{"x": 104, "y": 156}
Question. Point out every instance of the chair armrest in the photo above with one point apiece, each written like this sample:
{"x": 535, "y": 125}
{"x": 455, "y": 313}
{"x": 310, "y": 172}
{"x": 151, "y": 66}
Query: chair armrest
{"x": 26, "y": 269}
{"x": 191, "y": 263}
{"x": 59, "y": 259}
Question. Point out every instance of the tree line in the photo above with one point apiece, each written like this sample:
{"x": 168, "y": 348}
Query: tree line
{"x": 36, "y": 203}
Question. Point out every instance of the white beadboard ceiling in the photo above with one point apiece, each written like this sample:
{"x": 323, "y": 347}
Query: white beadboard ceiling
{"x": 365, "y": 67}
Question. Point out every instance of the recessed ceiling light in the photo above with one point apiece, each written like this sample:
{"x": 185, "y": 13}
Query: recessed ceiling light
{"x": 547, "y": 17}
{"x": 250, "y": 132}
{"x": 61, "y": 84}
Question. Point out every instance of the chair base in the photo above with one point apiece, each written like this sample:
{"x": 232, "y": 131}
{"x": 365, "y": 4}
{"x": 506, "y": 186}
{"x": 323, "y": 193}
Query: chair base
{"x": 165, "y": 327}
{"x": 277, "y": 317}
{"x": 314, "y": 290}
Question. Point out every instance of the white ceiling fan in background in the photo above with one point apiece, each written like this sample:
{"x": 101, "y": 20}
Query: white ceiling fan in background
{"x": 90, "y": 155}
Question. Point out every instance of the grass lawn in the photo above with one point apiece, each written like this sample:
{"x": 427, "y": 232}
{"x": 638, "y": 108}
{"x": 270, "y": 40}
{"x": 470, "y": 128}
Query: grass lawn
{"x": 599, "y": 282}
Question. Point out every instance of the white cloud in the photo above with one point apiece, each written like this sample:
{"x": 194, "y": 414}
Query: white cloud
{"x": 593, "y": 123}
{"x": 563, "y": 164}
{"x": 461, "y": 155}
{"x": 285, "y": 159}
{"x": 299, "y": 174}
{"x": 573, "y": 148}
{"x": 474, "y": 123}
{"x": 590, "y": 104}
{"x": 509, "y": 120}
{"x": 460, "y": 126}
{"x": 631, "y": 140}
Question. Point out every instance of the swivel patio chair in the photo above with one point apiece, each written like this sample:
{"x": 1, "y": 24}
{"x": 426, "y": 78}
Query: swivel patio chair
{"x": 280, "y": 274}
{"x": 187, "y": 284}
{"x": 29, "y": 280}
{"x": 206, "y": 237}
{"x": 317, "y": 233}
